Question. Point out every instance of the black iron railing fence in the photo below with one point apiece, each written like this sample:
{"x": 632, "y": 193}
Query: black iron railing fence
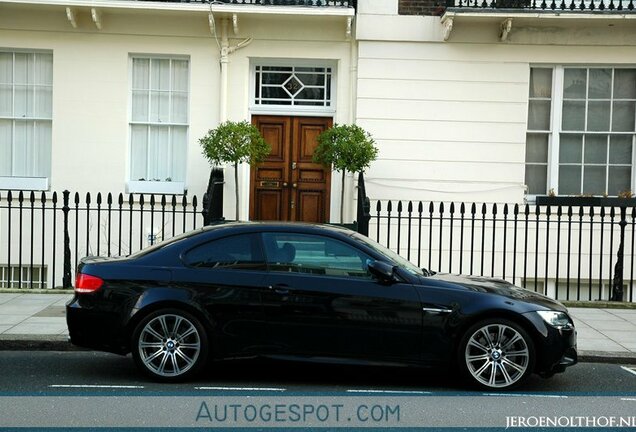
{"x": 567, "y": 252}
{"x": 547, "y": 5}
{"x": 43, "y": 235}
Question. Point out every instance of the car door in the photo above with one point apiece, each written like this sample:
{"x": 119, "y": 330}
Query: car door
{"x": 322, "y": 301}
{"x": 226, "y": 277}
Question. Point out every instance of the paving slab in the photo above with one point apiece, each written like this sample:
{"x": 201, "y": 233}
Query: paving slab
{"x": 12, "y": 319}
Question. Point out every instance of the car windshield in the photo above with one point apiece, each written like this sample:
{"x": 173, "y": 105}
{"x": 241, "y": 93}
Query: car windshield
{"x": 397, "y": 259}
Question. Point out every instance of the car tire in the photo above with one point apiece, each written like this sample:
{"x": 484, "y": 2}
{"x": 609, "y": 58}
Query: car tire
{"x": 496, "y": 354}
{"x": 169, "y": 345}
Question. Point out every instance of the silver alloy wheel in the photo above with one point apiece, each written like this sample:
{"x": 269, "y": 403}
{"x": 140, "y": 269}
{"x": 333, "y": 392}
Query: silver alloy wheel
{"x": 169, "y": 345}
{"x": 497, "y": 355}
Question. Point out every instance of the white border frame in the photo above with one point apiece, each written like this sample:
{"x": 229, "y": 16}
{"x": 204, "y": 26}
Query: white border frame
{"x": 158, "y": 187}
{"x": 556, "y": 116}
{"x": 293, "y": 110}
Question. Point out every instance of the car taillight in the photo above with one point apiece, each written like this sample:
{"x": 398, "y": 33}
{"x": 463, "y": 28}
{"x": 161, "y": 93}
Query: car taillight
{"x": 86, "y": 283}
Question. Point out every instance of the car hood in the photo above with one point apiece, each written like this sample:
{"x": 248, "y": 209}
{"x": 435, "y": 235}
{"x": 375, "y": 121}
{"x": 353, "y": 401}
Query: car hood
{"x": 500, "y": 287}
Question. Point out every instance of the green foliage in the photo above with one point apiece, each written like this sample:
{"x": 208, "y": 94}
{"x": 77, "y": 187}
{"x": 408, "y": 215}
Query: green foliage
{"x": 346, "y": 148}
{"x": 234, "y": 142}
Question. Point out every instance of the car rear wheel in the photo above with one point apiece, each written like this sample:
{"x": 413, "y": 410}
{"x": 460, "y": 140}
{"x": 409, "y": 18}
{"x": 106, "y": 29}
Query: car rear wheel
{"x": 496, "y": 354}
{"x": 170, "y": 345}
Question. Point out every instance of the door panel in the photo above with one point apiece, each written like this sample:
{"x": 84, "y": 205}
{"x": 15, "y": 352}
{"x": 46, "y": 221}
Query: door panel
{"x": 321, "y": 301}
{"x": 269, "y": 180}
{"x": 288, "y": 186}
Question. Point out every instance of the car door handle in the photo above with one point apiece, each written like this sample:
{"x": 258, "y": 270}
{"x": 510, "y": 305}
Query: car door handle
{"x": 279, "y": 288}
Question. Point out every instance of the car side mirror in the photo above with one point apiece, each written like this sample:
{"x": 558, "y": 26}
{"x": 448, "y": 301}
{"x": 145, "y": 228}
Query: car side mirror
{"x": 382, "y": 271}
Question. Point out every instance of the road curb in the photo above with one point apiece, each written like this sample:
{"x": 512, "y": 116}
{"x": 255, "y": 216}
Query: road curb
{"x": 607, "y": 357}
{"x": 36, "y": 343}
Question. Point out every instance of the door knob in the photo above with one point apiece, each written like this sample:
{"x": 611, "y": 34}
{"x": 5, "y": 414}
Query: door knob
{"x": 295, "y": 185}
{"x": 284, "y": 184}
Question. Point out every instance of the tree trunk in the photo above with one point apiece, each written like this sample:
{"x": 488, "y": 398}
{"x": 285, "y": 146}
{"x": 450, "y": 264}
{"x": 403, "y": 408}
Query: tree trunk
{"x": 342, "y": 193}
{"x": 236, "y": 190}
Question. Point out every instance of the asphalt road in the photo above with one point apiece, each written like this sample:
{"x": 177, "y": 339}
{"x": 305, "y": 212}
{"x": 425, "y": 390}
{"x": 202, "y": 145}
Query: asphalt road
{"x": 435, "y": 398}
{"x": 41, "y": 371}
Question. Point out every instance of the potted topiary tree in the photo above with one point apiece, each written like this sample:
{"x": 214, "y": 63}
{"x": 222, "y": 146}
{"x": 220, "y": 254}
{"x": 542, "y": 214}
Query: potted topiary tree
{"x": 345, "y": 148}
{"x": 235, "y": 142}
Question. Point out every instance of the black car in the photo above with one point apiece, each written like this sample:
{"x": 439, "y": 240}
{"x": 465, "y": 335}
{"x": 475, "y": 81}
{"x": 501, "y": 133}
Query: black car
{"x": 312, "y": 292}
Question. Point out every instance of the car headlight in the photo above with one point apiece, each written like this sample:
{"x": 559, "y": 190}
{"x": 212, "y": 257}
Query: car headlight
{"x": 556, "y": 319}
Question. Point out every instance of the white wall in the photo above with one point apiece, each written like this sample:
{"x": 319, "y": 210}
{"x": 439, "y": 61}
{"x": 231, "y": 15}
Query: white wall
{"x": 91, "y": 81}
{"x": 450, "y": 117}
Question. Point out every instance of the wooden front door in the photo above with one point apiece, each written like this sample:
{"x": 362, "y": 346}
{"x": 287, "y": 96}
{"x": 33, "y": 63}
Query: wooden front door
{"x": 288, "y": 186}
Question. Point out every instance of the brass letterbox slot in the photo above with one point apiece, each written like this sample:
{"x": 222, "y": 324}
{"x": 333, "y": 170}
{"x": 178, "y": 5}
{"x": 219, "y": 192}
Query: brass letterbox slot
{"x": 269, "y": 183}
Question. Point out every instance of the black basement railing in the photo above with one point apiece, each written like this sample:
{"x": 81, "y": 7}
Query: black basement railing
{"x": 315, "y": 3}
{"x": 547, "y": 5}
{"x": 566, "y": 252}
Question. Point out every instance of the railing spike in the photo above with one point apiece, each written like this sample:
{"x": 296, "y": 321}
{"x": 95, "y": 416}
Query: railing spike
{"x": 484, "y": 210}
{"x": 516, "y": 209}
{"x": 494, "y": 209}
{"x": 441, "y": 208}
{"x": 389, "y": 206}
{"x": 76, "y": 198}
{"x": 452, "y": 207}
{"x": 21, "y": 197}
{"x": 194, "y": 201}
{"x": 152, "y": 199}
{"x": 43, "y": 197}
{"x": 399, "y": 207}
{"x": 378, "y": 206}
{"x": 431, "y": 207}
{"x": 141, "y": 199}
{"x": 612, "y": 212}
{"x": 420, "y": 207}
{"x": 99, "y": 197}
{"x": 559, "y": 211}
{"x": 163, "y": 200}
{"x": 505, "y": 209}
{"x": 462, "y": 208}
{"x": 410, "y": 207}
{"x": 54, "y": 197}
{"x": 473, "y": 208}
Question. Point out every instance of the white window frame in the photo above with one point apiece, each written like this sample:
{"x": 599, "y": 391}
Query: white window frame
{"x": 296, "y": 110}
{"x": 20, "y": 182}
{"x": 151, "y": 186}
{"x": 556, "y": 117}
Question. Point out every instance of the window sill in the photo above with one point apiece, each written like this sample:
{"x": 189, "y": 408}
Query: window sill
{"x": 585, "y": 201}
{"x": 24, "y": 183}
{"x": 155, "y": 187}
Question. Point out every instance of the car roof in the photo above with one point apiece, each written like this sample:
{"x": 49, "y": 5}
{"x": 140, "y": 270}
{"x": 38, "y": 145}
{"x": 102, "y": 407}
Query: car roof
{"x": 274, "y": 225}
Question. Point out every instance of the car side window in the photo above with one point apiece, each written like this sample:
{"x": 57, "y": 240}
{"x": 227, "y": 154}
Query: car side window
{"x": 241, "y": 251}
{"x": 313, "y": 254}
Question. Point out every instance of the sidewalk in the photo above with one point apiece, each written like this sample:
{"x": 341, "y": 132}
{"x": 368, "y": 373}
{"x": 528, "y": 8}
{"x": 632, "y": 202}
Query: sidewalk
{"x": 37, "y": 321}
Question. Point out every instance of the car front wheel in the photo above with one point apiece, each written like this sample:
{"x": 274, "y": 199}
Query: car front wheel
{"x": 169, "y": 345}
{"x": 496, "y": 354}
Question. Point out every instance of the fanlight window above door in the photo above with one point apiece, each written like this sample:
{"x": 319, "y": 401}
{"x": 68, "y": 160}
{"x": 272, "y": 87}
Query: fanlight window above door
{"x": 293, "y": 86}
